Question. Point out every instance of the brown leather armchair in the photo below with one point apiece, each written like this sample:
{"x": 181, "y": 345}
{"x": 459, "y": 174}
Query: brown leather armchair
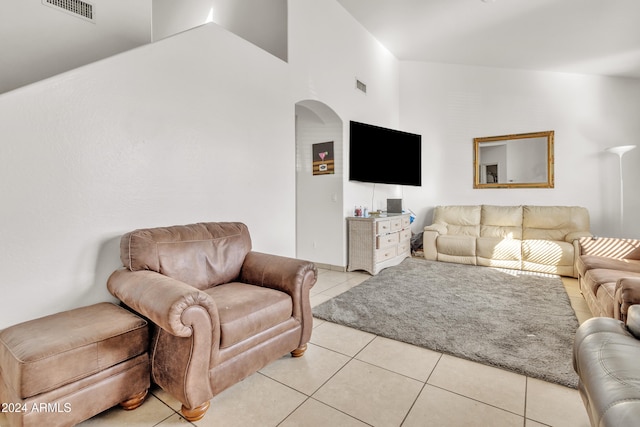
{"x": 219, "y": 311}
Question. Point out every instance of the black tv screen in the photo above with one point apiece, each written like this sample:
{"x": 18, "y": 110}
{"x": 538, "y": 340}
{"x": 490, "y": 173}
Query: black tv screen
{"x": 384, "y": 156}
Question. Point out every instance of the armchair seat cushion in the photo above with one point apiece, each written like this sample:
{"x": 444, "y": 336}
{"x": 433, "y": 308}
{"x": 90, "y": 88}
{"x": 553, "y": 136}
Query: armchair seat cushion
{"x": 247, "y": 310}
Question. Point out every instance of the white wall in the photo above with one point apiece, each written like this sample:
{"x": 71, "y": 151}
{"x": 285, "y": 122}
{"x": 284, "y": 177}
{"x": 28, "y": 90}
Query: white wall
{"x": 174, "y": 132}
{"x": 328, "y": 50}
{"x": 169, "y": 17}
{"x": 450, "y": 105}
{"x": 195, "y": 127}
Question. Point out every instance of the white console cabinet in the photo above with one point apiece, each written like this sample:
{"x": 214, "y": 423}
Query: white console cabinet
{"x": 378, "y": 242}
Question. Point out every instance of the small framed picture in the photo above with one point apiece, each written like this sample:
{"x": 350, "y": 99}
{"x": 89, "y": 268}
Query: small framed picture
{"x": 323, "y": 160}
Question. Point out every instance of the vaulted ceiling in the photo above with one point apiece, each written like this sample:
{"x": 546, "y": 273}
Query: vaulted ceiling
{"x": 576, "y": 36}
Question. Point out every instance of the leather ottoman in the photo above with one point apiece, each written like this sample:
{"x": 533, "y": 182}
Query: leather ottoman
{"x": 64, "y": 368}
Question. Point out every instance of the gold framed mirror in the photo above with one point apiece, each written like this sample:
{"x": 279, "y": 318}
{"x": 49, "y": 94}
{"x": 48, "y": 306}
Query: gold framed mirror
{"x": 522, "y": 160}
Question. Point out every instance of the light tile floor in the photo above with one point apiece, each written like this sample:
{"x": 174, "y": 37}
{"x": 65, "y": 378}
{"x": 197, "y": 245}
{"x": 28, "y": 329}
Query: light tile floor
{"x": 352, "y": 378}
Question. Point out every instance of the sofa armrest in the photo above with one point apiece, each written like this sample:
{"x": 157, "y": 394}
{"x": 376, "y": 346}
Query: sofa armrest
{"x": 293, "y": 276}
{"x": 612, "y": 247}
{"x": 438, "y": 228}
{"x": 577, "y": 235}
{"x": 429, "y": 237}
{"x": 627, "y": 293}
{"x": 285, "y": 274}
{"x": 162, "y": 300}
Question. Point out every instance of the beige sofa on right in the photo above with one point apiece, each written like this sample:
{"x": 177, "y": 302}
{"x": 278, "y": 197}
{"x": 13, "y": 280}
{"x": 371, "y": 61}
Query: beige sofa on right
{"x": 534, "y": 238}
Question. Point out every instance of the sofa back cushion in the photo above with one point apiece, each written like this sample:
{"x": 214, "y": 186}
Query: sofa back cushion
{"x": 459, "y": 220}
{"x": 553, "y": 222}
{"x": 501, "y": 221}
{"x": 202, "y": 255}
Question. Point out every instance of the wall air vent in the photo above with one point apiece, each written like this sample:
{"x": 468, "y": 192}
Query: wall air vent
{"x": 361, "y": 86}
{"x": 77, "y": 8}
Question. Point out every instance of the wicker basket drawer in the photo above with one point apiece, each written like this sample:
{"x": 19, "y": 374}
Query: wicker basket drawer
{"x": 386, "y": 253}
{"x": 387, "y": 240}
{"x": 383, "y": 227}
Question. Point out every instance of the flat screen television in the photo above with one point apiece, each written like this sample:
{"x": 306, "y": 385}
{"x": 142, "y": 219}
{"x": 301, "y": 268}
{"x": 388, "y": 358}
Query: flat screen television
{"x": 384, "y": 156}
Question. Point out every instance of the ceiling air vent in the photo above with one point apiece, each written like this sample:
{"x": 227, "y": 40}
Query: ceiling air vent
{"x": 78, "y": 8}
{"x": 361, "y": 86}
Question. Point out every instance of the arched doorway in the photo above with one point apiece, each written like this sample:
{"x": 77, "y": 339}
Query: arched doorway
{"x": 319, "y": 197}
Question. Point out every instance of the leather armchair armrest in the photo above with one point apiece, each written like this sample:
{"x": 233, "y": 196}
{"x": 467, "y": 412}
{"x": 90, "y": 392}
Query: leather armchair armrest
{"x": 293, "y": 276}
{"x": 162, "y": 300}
{"x": 627, "y": 293}
{"x": 285, "y": 274}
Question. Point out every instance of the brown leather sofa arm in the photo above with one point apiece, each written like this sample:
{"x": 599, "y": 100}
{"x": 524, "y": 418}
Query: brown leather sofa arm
{"x": 161, "y": 299}
{"x": 627, "y": 293}
{"x": 611, "y": 247}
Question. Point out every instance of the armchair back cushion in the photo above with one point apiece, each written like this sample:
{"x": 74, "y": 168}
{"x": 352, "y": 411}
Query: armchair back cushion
{"x": 202, "y": 255}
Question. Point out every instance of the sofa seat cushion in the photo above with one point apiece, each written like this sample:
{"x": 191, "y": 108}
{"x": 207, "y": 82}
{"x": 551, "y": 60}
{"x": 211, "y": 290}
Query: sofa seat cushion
{"x": 592, "y": 262}
{"x": 599, "y": 276}
{"x": 44, "y": 354}
{"x": 246, "y": 310}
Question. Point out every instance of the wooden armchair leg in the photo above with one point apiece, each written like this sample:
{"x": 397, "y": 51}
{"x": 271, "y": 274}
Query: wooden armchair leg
{"x": 298, "y": 352}
{"x": 134, "y": 402}
{"x": 195, "y": 414}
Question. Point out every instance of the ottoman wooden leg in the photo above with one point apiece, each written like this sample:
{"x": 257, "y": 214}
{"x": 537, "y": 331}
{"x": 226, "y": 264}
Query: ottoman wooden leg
{"x": 194, "y": 414}
{"x": 134, "y": 401}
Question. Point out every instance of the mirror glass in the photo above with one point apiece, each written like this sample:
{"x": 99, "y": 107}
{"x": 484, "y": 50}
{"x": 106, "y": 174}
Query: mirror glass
{"x": 513, "y": 161}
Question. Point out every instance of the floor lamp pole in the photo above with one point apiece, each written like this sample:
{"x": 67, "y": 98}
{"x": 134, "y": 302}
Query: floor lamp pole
{"x": 620, "y": 150}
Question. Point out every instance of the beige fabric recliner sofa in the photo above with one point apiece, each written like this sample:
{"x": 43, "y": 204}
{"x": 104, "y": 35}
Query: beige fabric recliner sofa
{"x": 534, "y": 238}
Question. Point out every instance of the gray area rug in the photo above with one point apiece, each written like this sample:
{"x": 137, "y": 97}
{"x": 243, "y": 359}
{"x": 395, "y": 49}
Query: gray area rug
{"x": 505, "y": 318}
